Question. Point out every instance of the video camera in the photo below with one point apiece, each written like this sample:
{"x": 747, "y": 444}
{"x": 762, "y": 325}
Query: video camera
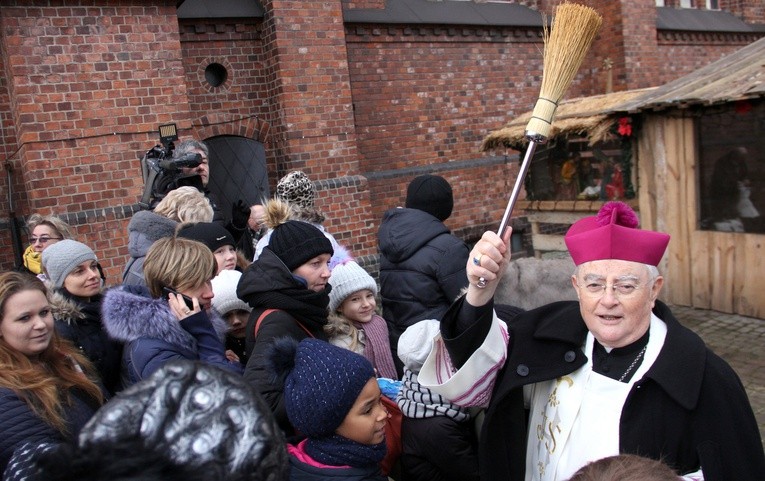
{"x": 162, "y": 172}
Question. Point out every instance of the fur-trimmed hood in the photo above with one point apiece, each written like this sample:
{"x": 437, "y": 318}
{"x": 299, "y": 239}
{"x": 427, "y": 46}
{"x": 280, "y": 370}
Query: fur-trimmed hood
{"x": 130, "y": 313}
{"x": 65, "y": 308}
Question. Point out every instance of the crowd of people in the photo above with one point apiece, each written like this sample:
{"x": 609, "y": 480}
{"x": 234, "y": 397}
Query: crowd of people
{"x": 256, "y": 350}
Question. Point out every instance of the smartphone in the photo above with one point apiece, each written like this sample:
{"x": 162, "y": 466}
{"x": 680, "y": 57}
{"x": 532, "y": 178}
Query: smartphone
{"x": 189, "y": 303}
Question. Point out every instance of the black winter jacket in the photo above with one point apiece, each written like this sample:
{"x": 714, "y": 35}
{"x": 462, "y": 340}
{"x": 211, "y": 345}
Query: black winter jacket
{"x": 266, "y": 284}
{"x": 79, "y": 321}
{"x": 422, "y": 269}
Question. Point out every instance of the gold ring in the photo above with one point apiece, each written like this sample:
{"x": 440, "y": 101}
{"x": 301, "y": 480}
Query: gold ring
{"x": 477, "y": 260}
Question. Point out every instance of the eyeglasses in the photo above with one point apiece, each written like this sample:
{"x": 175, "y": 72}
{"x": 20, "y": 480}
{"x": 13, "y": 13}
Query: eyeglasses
{"x": 43, "y": 239}
{"x": 622, "y": 290}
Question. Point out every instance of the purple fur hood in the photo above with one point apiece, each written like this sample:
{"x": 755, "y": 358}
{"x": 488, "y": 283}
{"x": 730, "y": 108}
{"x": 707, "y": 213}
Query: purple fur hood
{"x": 130, "y": 313}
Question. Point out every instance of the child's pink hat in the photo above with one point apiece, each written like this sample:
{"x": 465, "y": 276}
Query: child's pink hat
{"x": 613, "y": 234}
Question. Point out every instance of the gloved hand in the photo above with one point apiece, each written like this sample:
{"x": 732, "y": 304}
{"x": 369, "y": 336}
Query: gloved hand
{"x": 240, "y": 214}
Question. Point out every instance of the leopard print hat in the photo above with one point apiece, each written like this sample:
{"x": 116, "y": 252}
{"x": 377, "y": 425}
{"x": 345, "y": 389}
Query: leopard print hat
{"x": 296, "y": 188}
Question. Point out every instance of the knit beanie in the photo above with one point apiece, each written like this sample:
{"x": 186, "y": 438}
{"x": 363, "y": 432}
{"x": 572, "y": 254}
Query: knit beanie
{"x": 296, "y": 242}
{"x": 321, "y": 383}
{"x": 211, "y": 234}
{"x": 416, "y": 342}
{"x": 431, "y": 194}
{"x": 224, "y": 290}
{"x": 61, "y": 258}
{"x": 296, "y": 188}
{"x": 346, "y": 279}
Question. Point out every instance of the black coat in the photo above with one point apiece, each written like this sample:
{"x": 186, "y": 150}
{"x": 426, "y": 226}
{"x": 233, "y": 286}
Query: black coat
{"x": 79, "y": 321}
{"x": 19, "y": 425}
{"x": 422, "y": 269}
{"x": 438, "y": 449}
{"x": 689, "y": 410}
{"x": 263, "y": 286}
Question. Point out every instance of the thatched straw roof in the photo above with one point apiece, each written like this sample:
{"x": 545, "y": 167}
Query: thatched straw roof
{"x": 737, "y": 76}
{"x": 590, "y": 116}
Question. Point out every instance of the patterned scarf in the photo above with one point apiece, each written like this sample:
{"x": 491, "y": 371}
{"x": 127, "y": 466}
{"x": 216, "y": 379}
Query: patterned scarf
{"x": 337, "y": 450}
{"x": 417, "y": 401}
{"x": 377, "y": 348}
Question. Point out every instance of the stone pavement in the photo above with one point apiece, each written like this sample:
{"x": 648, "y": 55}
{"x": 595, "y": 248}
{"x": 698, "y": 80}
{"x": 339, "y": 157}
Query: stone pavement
{"x": 740, "y": 341}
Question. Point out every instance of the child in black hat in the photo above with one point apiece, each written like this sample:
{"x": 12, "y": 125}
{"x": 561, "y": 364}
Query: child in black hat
{"x": 332, "y": 397}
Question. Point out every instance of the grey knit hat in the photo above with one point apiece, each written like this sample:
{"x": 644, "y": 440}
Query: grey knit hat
{"x": 346, "y": 279}
{"x": 224, "y": 290}
{"x": 61, "y": 258}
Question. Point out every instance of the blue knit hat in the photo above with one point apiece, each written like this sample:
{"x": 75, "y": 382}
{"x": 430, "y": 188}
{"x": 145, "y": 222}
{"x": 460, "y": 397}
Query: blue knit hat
{"x": 321, "y": 385}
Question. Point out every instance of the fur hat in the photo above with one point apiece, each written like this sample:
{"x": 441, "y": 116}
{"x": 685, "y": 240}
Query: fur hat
{"x": 321, "y": 382}
{"x": 348, "y": 277}
{"x": 61, "y": 258}
{"x": 296, "y": 242}
{"x": 211, "y": 234}
{"x": 296, "y": 188}
{"x": 197, "y": 416}
{"x": 224, "y": 288}
{"x": 431, "y": 194}
{"x": 614, "y": 234}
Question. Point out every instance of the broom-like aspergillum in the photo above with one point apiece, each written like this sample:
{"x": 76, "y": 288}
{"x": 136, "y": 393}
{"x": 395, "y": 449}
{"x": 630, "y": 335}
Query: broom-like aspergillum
{"x": 573, "y": 29}
{"x": 571, "y": 33}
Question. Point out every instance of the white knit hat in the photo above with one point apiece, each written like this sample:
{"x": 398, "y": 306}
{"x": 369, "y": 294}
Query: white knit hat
{"x": 347, "y": 278}
{"x": 224, "y": 290}
{"x": 416, "y": 342}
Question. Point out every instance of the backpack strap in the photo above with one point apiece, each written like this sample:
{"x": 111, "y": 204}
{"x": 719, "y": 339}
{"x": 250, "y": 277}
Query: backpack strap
{"x": 260, "y": 319}
{"x": 269, "y": 311}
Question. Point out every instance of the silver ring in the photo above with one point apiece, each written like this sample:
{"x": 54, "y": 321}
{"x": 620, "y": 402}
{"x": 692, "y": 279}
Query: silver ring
{"x": 481, "y": 283}
{"x": 186, "y": 311}
{"x": 477, "y": 260}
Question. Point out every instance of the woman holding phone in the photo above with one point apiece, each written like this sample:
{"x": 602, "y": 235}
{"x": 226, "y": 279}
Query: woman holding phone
{"x": 171, "y": 318}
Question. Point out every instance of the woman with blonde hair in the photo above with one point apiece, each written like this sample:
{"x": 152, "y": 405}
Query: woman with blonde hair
{"x": 172, "y": 317}
{"x": 46, "y": 389}
{"x": 184, "y": 204}
{"x": 44, "y": 230}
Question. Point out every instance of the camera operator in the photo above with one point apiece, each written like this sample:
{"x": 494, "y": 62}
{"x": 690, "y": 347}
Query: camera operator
{"x": 240, "y": 212}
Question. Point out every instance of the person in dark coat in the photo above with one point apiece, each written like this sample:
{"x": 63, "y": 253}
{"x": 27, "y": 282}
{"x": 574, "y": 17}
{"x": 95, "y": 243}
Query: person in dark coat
{"x": 157, "y": 327}
{"x": 168, "y": 427}
{"x": 48, "y": 390}
{"x": 75, "y": 297}
{"x": 614, "y": 373}
{"x": 438, "y": 438}
{"x": 288, "y": 290}
{"x": 184, "y": 204}
{"x": 422, "y": 265}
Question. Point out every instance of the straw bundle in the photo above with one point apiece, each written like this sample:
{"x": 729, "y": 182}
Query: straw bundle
{"x": 566, "y": 43}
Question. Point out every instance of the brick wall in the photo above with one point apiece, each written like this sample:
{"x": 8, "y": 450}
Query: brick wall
{"x": 88, "y": 86}
{"x": 362, "y": 108}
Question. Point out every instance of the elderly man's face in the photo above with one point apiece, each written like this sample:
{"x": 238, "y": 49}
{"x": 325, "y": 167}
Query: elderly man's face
{"x": 615, "y": 299}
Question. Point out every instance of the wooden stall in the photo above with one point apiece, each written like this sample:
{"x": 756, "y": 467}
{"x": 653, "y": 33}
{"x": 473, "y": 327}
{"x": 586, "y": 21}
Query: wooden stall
{"x": 680, "y": 148}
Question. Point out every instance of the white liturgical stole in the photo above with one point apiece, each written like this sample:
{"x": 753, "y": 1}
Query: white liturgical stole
{"x": 575, "y": 418}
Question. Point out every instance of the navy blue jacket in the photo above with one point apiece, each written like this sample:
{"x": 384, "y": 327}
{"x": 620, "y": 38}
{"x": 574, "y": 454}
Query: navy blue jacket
{"x": 153, "y": 335}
